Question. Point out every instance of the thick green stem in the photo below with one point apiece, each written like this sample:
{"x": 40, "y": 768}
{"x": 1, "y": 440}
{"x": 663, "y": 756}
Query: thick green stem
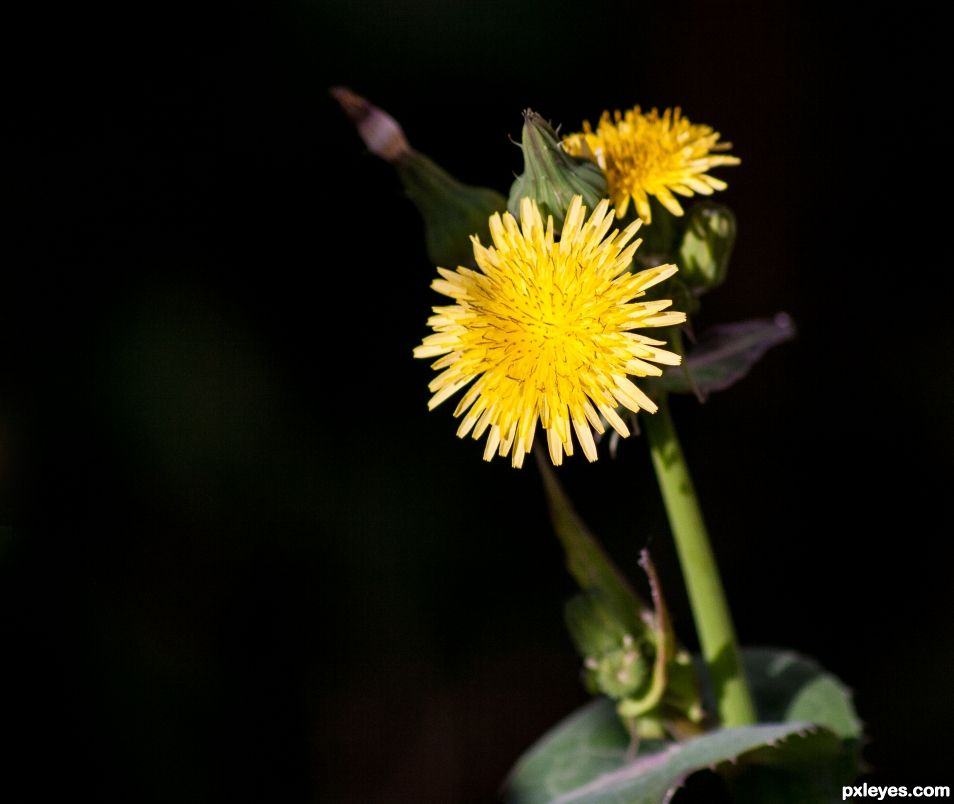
{"x": 706, "y": 595}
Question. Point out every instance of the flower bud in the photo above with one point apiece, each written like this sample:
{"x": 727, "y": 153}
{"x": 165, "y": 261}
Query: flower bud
{"x": 551, "y": 177}
{"x": 380, "y": 132}
{"x": 617, "y": 663}
{"x": 452, "y": 211}
{"x": 706, "y": 245}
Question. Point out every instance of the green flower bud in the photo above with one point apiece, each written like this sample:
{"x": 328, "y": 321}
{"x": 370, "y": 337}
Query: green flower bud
{"x": 617, "y": 663}
{"x": 452, "y": 211}
{"x": 706, "y": 245}
{"x": 551, "y": 177}
{"x": 620, "y": 673}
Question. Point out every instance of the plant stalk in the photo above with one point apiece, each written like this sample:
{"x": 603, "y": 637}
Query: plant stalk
{"x": 710, "y": 610}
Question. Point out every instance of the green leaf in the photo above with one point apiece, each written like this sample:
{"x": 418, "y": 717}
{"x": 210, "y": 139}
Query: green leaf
{"x": 792, "y": 687}
{"x": 584, "y": 760}
{"x": 724, "y": 354}
{"x": 584, "y": 746}
{"x": 789, "y": 686}
{"x": 803, "y": 756}
{"x": 586, "y": 559}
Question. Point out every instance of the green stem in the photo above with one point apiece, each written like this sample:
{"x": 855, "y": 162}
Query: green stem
{"x": 706, "y": 595}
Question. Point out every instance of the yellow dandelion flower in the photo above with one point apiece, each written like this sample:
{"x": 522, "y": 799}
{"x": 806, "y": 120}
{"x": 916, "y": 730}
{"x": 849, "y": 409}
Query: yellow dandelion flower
{"x": 544, "y": 332}
{"x": 652, "y": 154}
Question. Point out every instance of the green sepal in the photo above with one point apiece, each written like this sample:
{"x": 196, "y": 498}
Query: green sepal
{"x": 551, "y": 177}
{"x": 452, "y": 211}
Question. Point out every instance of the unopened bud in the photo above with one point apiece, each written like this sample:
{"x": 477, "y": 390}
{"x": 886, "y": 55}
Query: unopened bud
{"x": 379, "y": 131}
{"x": 452, "y": 211}
{"x": 706, "y": 246}
{"x": 551, "y": 177}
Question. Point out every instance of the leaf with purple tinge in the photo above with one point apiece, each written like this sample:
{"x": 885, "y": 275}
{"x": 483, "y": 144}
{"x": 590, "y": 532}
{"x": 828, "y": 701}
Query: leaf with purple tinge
{"x": 551, "y": 771}
{"x": 802, "y": 756}
{"x": 724, "y": 354}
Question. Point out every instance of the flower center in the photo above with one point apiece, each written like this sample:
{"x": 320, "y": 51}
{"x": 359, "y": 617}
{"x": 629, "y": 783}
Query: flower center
{"x": 539, "y": 341}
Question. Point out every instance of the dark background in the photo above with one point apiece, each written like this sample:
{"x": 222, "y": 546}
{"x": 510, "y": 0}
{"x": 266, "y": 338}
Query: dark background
{"x": 247, "y": 564}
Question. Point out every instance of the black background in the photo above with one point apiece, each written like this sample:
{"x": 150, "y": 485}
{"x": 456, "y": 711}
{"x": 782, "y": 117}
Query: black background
{"x": 247, "y": 564}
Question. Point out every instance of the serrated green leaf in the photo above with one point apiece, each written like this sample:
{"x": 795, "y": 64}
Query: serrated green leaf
{"x": 788, "y": 686}
{"x": 554, "y": 770}
{"x": 791, "y": 761}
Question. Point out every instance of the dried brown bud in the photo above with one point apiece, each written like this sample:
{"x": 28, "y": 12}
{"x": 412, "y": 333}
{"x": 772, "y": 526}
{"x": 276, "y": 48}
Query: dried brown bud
{"x": 380, "y": 132}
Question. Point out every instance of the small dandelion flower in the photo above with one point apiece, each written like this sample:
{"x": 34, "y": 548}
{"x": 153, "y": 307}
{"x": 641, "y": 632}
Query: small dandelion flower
{"x": 544, "y": 331}
{"x": 652, "y": 154}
